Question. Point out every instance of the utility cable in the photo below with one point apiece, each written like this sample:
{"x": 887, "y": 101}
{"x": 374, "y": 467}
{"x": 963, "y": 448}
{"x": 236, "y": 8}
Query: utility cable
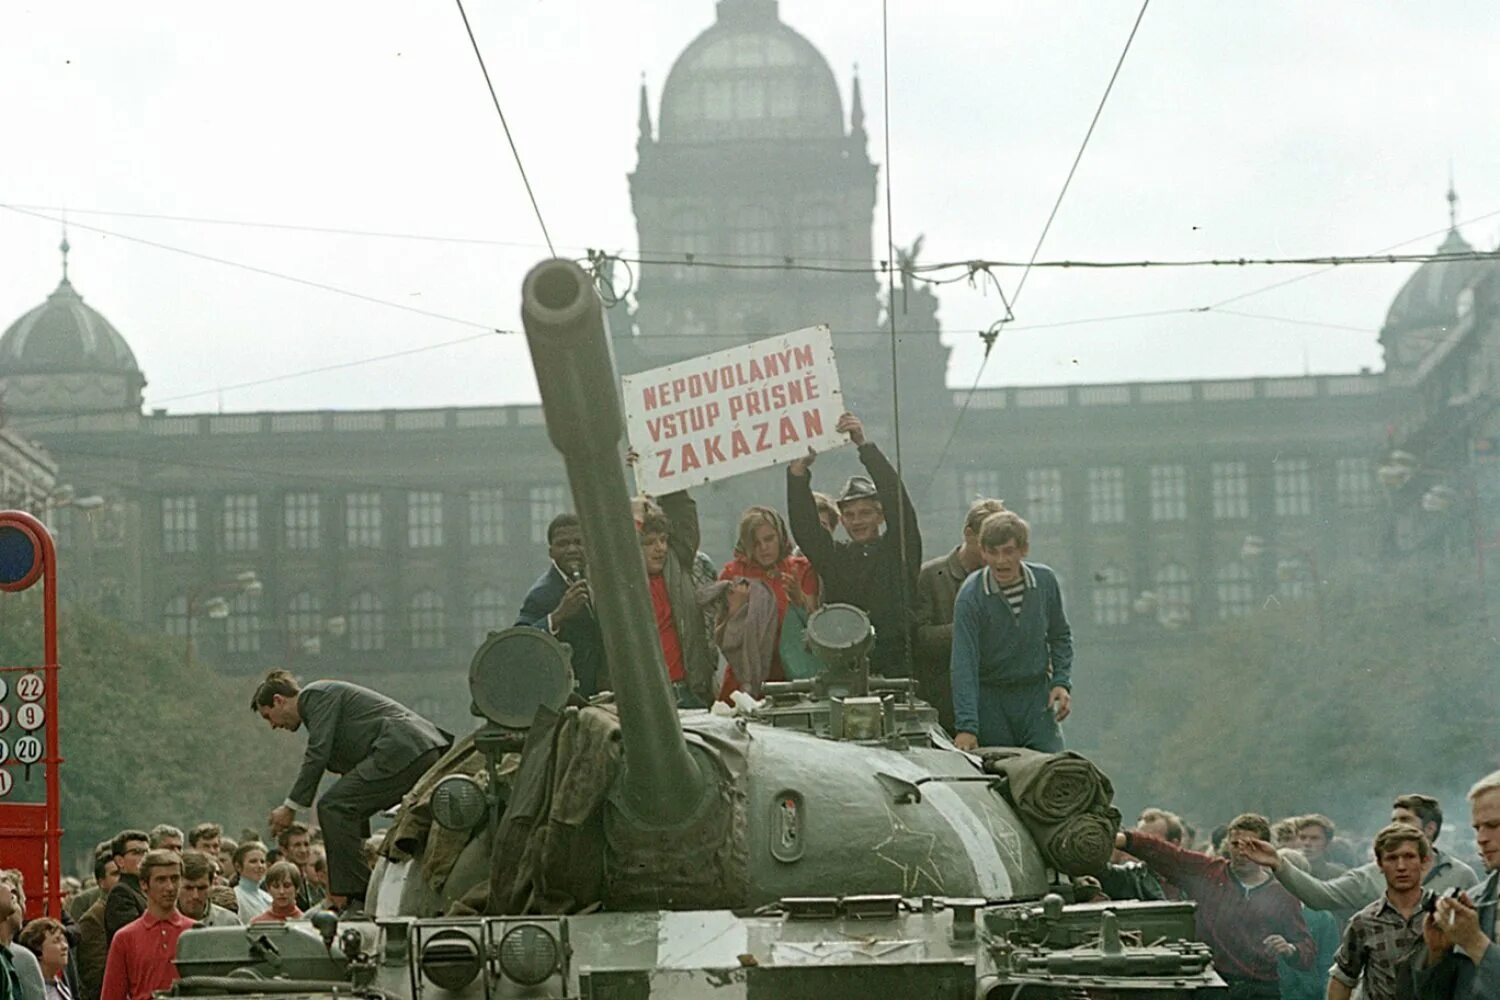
{"x": 506, "y": 126}
{"x": 1057, "y": 204}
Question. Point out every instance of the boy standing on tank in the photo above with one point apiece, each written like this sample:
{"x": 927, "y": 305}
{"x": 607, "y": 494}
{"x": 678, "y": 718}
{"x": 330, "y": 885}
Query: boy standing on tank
{"x": 1012, "y": 662}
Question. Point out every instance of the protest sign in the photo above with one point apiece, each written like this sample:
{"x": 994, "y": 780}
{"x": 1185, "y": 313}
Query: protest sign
{"x": 733, "y": 411}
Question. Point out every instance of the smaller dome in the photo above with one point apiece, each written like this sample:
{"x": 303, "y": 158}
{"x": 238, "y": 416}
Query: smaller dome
{"x": 64, "y": 335}
{"x": 1429, "y": 298}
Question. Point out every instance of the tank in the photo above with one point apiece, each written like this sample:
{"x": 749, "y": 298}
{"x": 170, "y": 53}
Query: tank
{"x": 826, "y": 842}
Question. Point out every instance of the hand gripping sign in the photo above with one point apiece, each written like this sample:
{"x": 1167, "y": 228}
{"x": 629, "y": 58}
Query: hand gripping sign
{"x": 733, "y": 411}
{"x": 31, "y": 831}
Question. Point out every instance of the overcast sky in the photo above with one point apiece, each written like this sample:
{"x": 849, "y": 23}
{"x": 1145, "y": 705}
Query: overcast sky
{"x": 1236, "y": 129}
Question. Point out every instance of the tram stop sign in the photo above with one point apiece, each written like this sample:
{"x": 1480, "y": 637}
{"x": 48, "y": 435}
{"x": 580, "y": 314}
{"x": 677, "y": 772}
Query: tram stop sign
{"x": 20, "y": 557}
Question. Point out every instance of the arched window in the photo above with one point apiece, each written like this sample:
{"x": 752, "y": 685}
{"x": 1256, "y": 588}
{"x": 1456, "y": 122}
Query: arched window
{"x": 426, "y": 620}
{"x": 1174, "y": 588}
{"x": 366, "y": 622}
{"x": 1111, "y": 597}
{"x": 242, "y": 627}
{"x": 1235, "y": 590}
{"x": 174, "y": 617}
{"x": 688, "y": 234}
{"x": 819, "y": 236}
{"x": 486, "y": 614}
{"x": 755, "y": 237}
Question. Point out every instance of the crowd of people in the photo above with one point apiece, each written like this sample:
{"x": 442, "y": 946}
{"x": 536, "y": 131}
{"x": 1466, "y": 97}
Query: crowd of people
{"x": 117, "y": 936}
{"x": 991, "y": 651}
{"x": 1291, "y": 913}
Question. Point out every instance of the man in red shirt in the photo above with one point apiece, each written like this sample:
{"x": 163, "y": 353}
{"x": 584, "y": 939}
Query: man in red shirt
{"x": 143, "y": 952}
{"x": 1244, "y": 915}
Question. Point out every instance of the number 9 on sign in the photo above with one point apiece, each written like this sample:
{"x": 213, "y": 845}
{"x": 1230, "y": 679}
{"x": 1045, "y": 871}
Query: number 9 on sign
{"x": 30, "y": 716}
{"x": 28, "y": 750}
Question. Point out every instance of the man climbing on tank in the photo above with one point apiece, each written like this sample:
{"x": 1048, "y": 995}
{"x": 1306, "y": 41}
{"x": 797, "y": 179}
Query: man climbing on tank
{"x": 870, "y": 571}
{"x": 379, "y": 747}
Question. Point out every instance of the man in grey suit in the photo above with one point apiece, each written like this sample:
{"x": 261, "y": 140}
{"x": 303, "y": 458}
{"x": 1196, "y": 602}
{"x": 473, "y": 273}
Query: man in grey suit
{"x": 378, "y": 746}
{"x": 1461, "y": 960}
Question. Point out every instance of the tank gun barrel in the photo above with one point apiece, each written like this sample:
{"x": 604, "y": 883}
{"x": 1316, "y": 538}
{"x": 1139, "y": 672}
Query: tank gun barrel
{"x": 575, "y": 372}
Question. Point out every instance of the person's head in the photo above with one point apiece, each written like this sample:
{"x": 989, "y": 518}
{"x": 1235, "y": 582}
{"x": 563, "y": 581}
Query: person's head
{"x": 1189, "y": 835}
{"x": 860, "y": 509}
{"x": 9, "y": 909}
{"x": 1484, "y": 802}
{"x": 974, "y": 520}
{"x": 763, "y": 538}
{"x": 46, "y": 939}
{"x": 276, "y": 701}
{"x": 1004, "y": 540}
{"x": 1420, "y": 811}
{"x": 205, "y": 837}
{"x": 1160, "y": 823}
{"x": 565, "y": 543}
{"x": 1284, "y": 833}
{"x": 1402, "y": 851}
{"x": 655, "y": 529}
{"x": 127, "y": 848}
{"x": 1242, "y": 826}
{"x": 282, "y": 881}
{"x": 197, "y": 878}
{"x": 828, "y": 511}
{"x": 296, "y": 843}
{"x": 161, "y": 878}
{"x": 227, "y": 847}
{"x": 317, "y": 868}
{"x": 166, "y": 837}
{"x": 250, "y": 861}
{"x": 1314, "y": 833}
{"x": 106, "y": 869}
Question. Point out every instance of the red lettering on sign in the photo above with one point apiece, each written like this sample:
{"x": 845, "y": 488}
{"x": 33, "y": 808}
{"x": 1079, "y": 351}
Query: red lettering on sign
{"x": 788, "y": 431}
{"x": 690, "y": 458}
{"x": 804, "y": 356}
{"x": 812, "y": 423}
{"x": 711, "y": 450}
{"x": 665, "y": 471}
{"x": 738, "y": 445}
{"x": 762, "y": 434}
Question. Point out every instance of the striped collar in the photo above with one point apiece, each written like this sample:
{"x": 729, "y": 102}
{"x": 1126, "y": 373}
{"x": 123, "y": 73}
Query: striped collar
{"x": 991, "y": 587}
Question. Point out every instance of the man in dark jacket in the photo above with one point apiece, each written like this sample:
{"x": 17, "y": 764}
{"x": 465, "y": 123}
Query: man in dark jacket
{"x": 559, "y": 603}
{"x": 378, "y": 746}
{"x": 870, "y": 571}
{"x": 937, "y": 588}
{"x": 126, "y": 900}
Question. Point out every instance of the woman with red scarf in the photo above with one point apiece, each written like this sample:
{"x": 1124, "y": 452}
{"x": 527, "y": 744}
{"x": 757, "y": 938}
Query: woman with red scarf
{"x": 765, "y": 579}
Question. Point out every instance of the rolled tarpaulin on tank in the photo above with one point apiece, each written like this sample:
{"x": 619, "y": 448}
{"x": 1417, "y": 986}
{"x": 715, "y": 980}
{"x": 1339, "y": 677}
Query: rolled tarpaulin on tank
{"x": 1049, "y": 788}
{"x": 1082, "y": 844}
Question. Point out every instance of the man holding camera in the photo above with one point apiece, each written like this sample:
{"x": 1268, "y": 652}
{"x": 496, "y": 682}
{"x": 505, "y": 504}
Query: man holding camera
{"x": 1461, "y": 961}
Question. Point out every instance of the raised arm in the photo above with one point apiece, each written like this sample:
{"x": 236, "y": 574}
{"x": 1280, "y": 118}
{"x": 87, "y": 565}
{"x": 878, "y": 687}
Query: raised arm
{"x": 685, "y": 537}
{"x": 1175, "y": 863}
{"x": 802, "y": 516}
{"x": 1347, "y": 891}
{"x": 893, "y": 493}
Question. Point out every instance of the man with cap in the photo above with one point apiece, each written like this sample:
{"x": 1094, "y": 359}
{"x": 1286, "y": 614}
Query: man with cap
{"x": 871, "y": 571}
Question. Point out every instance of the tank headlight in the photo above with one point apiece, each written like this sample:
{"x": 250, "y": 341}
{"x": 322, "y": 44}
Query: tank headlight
{"x": 516, "y": 672}
{"x": 528, "y": 954}
{"x": 458, "y": 803}
{"x": 450, "y": 958}
{"x": 840, "y": 635}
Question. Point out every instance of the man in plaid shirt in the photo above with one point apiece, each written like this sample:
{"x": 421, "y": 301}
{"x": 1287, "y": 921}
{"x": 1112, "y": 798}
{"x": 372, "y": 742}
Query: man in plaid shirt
{"x": 1381, "y": 940}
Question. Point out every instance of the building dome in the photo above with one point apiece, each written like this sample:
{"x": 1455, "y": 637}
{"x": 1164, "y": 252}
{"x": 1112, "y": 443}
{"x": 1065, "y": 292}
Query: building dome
{"x": 1429, "y": 298}
{"x": 64, "y": 355}
{"x": 749, "y": 76}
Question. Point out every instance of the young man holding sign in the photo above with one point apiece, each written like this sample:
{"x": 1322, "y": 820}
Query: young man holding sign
{"x": 870, "y": 571}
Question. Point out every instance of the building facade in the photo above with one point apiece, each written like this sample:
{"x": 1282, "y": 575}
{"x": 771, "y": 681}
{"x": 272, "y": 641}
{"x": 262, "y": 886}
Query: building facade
{"x": 382, "y": 545}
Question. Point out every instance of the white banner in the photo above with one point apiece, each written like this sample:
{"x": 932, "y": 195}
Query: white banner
{"x": 733, "y": 411}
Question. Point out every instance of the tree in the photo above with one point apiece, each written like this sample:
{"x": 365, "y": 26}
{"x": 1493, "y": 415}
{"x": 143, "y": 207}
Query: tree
{"x": 145, "y": 738}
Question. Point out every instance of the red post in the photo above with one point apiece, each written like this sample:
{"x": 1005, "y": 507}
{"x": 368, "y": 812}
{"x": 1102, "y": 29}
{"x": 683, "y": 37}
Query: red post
{"x": 21, "y": 817}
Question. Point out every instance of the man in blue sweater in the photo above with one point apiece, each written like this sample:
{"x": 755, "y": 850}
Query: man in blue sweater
{"x": 1012, "y": 658}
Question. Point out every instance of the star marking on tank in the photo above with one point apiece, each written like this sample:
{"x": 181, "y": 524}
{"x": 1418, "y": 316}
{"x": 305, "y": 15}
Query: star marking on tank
{"x": 911, "y": 851}
{"x": 1008, "y": 841}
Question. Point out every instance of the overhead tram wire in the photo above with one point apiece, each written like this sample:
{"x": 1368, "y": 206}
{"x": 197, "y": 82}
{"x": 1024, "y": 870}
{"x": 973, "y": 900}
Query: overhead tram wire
{"x": 1057, "y": 204}
{"x": 506, "y": 126}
